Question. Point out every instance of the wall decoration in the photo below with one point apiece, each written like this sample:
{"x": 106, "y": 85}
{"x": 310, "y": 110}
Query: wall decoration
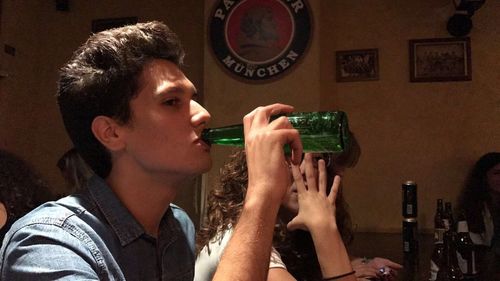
{"x": 103, "y": 24}
{"x": 440, "y": 59}
{"x": 259, "y": 40}
{"x": 357, "y": 65}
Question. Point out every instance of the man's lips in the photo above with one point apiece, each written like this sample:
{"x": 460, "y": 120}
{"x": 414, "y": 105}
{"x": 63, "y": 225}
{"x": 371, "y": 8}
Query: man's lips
{"x": 203, "y": 143}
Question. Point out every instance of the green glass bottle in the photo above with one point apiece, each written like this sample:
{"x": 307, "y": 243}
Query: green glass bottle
{"x": 320, "y": 131}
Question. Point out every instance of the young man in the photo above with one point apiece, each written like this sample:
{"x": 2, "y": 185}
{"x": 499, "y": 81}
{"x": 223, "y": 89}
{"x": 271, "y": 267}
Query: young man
{"x": 132, "y": 115}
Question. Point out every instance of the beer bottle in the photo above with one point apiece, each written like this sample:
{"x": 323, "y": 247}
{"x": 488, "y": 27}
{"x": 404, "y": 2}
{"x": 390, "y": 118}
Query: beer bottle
{"x": 439, "y": 227}
{"x": 322, "y": 131}
{"x": 437, "y": 258}
{"x": 465, "y": 250}
{"x": 450, "y": 270}
{"x": 449, "y": 223}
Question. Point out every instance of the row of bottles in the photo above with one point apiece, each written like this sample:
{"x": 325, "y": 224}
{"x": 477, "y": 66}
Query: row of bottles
{"x": 453, "y": 257}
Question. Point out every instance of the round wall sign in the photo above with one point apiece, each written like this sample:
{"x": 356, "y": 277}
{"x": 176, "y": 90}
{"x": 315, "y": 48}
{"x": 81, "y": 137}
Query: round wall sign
{"x": 259, "y": 40}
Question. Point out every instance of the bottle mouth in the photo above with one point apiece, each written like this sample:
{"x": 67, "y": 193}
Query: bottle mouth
{"x": 204, "y": 136}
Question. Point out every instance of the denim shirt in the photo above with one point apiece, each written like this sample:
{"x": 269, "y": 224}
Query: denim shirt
{"x": 92, "y": 236}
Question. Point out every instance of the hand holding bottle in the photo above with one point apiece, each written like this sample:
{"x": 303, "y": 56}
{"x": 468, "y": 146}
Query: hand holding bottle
{"x": 268, "y": 172}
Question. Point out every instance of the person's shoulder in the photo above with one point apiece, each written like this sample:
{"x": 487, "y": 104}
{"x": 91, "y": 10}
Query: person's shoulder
{"x": 55, "y": 234}
{"x": 55, "y": 213}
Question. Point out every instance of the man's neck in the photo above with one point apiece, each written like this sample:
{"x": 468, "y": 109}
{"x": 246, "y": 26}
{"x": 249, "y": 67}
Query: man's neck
{"x": 145, "y": 196}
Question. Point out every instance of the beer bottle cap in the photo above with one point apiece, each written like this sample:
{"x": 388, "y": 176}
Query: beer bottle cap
{"x": 410, "y": 182}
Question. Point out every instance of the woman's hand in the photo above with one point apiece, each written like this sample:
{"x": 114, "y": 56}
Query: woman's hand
{"x": 317, "y": 215}
{"x": 316, "y": 208}
{"x": 375, "y": 269}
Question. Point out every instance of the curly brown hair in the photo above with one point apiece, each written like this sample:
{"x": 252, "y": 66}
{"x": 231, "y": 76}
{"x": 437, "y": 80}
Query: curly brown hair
{"x": 225, "y": 202}
{"x": 21, "y": 188}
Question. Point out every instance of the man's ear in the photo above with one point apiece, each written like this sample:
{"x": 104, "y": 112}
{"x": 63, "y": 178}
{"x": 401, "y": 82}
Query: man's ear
{"x": 108, "y": 132}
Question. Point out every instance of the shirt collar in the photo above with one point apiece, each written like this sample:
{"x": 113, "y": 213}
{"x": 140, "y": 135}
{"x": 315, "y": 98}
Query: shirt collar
{"x": 125, "y": 226}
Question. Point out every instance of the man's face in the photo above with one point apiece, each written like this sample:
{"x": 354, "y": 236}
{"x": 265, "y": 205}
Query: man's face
{"x": 493, "y": 176}
{"x": 162, "y": 136}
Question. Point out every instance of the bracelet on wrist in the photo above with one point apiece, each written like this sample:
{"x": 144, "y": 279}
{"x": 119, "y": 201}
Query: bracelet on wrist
{"x": 339, "y": 276}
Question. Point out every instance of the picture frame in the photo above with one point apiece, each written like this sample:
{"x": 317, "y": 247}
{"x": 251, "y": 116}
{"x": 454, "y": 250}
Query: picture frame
{"x": 357, "y": 65}
{"x": 440, "y": 59}
{"x": 99, "y": 25}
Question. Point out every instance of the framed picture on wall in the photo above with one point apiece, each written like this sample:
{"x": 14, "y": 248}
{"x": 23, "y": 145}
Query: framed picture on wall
{"x": 440, "y": 59}
{"x": 357, "y": 65}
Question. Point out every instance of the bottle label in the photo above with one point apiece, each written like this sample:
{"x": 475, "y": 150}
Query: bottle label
{"x": 409, "y": 209}
{"x": 438, "y": 235}
{"x": 446, "y": 224}
{"x": 467, "y": 262}
{"x": 434, "y": 271}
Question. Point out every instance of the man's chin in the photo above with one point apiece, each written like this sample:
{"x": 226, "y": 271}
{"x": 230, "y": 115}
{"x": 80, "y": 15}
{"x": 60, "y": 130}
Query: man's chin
{"x": 208, "y": 167}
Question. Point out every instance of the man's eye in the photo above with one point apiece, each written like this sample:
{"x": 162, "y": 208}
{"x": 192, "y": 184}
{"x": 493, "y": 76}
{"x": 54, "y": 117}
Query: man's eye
{"x": 173, "y": 101}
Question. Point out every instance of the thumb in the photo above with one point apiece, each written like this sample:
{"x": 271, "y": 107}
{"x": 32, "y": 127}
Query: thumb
{"x": 295, "y": 224}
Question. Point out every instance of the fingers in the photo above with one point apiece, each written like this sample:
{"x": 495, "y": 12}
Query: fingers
{"x": 382, "y": 262}
{"x": 256, "y": 125}
{"x": 296, "y": 146}
{"x": 364, "y": 271}
{"x": 293, "y": 140}
{"x": 322, "y": 176}
{"x": 294, "y": 224}
{"x": 332, "y": 196}
{"x": 297, "y": 177}
{"x": 261, "y": 115}
{"x": 393, "y": 265}
{"x": 310, "y": 172}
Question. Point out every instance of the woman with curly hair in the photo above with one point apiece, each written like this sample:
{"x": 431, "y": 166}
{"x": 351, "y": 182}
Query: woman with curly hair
{"x": 21, "y": 190}
{"x": 316, "y": 215}
{"x": 294, "y": 255}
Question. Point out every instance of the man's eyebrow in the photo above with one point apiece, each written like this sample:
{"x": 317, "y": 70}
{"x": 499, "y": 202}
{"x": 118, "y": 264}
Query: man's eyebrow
{"x": 169, "y": 90}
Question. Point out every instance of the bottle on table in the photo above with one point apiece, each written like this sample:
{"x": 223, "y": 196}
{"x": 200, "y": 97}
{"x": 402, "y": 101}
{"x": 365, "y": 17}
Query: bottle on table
{"x": 437, "y": 258}
{"x": 449, "y": 222}
{"x": 450, "y": 270}
{"x": 438, "y": 218}
{"x": 321, "y": 131}
{"x": 466, "y": 255}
